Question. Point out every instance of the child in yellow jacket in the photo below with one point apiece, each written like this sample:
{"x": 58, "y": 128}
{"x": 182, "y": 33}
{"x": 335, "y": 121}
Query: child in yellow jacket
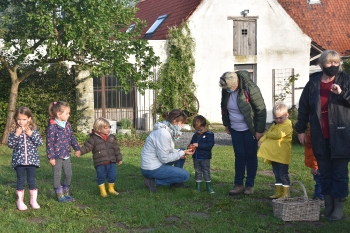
{"x": 275, "y": 147}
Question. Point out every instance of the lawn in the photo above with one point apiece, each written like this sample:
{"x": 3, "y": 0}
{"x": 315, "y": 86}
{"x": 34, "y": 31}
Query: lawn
{"x": 168, "y": 210}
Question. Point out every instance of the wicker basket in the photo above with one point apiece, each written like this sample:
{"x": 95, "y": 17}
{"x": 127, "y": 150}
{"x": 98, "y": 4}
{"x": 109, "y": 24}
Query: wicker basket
{"x": 297, "y": 208}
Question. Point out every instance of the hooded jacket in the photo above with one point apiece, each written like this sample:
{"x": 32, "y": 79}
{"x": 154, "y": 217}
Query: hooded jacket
{"x": 20, "y": 144}
{"x": 59, "y": 140}
{"x": 102, "y": 151}
{"x": 159, "y": 148}
{"x": 250, "y": 103}
{"x": 338, "y": 114}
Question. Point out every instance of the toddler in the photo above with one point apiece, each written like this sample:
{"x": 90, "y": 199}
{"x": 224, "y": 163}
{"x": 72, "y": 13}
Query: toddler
{"x": 59, "y": 139}
{"x": 275, "y": 148}
{"x": 24, "y": 140}
{"x": 105, "y": 154}
{"x": 202, "y": 143}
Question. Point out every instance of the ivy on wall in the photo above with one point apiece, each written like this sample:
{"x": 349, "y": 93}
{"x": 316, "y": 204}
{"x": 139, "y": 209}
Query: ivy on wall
{"x": 176, "y": 86}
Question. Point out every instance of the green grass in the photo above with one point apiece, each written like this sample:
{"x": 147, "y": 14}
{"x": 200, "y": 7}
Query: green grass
{"x": 168, "y": 210}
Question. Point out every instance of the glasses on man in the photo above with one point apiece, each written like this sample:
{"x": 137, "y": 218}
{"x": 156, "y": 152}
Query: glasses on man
{"x": 281, "y": 117}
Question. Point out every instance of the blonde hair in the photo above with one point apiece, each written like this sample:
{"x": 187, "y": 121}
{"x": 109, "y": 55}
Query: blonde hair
{"x": 228, "y": 80}
{"x": 56, "y": 107}
{"x": 280, "y": 107}
{"x": 329, "y": 56}
{"x": 100, "y": 123}
{"x": 24, "y": 111}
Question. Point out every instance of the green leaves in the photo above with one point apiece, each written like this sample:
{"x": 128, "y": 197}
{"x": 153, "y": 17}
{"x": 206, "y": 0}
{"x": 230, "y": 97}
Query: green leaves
{"x": 175, "y": 80}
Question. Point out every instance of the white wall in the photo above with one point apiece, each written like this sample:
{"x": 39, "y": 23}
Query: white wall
{"x": 280, "y": 44}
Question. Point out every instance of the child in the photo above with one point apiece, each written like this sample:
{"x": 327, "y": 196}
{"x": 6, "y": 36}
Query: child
{"x": 24, "y": 140}
{"x": 59, "y": 139}
{"x": 202, "y": 142}
{"x": 106, "y": 154}
{"x": 275, "y": 148}
{"x": 310, "y": 161}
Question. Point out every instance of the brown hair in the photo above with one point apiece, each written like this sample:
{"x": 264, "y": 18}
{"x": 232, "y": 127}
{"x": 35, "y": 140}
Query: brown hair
{"x": 199, "y": 121}
{"x": 56, "y": 107}
{"x": 100, "y": 123}
{"x": 24, "y": 111}
{"x": 174, "y": 115}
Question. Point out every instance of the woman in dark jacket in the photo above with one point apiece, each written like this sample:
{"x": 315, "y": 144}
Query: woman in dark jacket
{"x": 244, "y": 117}
{"x": 325, "y": 103}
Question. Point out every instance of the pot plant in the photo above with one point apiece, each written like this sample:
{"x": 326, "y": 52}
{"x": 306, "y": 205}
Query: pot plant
{"x": 125, "y": 125}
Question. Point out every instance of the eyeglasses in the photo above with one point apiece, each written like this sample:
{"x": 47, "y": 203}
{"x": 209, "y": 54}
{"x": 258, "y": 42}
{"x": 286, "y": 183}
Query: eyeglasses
{"x": 281, "y": 117}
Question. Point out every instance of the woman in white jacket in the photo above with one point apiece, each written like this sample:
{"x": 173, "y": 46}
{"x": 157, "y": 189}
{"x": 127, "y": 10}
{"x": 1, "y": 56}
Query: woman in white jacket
{"x": 159, "y": 150}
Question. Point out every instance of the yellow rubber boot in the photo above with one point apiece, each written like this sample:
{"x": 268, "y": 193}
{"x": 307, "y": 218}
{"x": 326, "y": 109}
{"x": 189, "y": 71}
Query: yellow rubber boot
{"x": 103, "y": 190}
{"x": 278, "y": 191}
{"x": 285, "y": 191}
{"x": 111, "y": 189}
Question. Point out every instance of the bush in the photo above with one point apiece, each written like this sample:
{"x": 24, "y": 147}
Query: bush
{"x": 38, "y": 91}
{"x": 293, "y": 116}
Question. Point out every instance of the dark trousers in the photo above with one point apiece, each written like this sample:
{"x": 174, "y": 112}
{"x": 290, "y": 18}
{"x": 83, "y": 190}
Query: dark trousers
{"x": 66, "y": 165}
{"x": 202, "y": 169}
{"x": 318, "y": 187}
{"x": 245, "y": 147}
{"x": 21, "y": 171}
{"x": 106, "y": 172}
{"x": 280, "y": 171}
{"x": 334, "y": 174}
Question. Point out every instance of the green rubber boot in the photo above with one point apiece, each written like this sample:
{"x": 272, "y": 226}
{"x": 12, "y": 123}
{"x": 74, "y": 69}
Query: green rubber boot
{"x": 209, "y": 188}
{"x": 198, "y": 186}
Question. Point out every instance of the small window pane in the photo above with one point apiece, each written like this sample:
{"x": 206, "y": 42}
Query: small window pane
{"x": 156, "y": 24}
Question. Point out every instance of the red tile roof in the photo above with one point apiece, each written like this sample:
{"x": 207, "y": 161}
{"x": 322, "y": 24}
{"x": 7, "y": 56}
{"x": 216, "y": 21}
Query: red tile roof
{"x": 177, "y": 10}
{"x": 327, "y": 24}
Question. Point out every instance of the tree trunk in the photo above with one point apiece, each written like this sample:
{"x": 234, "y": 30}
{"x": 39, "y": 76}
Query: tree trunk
{"x": 11, "y": 107}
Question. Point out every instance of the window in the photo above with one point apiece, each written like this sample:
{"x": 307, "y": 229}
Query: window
{"x": 314, "y": 1}
{"x": 155, "y": 26}
{"x": 251, "y": 68}
{"x": 115, "y": 97}
{"x": 132, "y": 26}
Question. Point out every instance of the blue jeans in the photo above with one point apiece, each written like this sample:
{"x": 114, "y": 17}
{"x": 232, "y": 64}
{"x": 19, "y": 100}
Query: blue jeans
{"x": 178, "y": 163}
{"x": 318, "y": 187}
{"x": 334, "y": 174}
{"x": 280, "y": 171}
{"x": 21, "y": 172}
{"x": 166, "y": 175}
{"x": 245, "y": 147}
{"x": 108, "y": 171}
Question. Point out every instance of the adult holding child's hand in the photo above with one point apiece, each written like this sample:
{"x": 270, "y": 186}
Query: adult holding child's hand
{"x": 159, "y": 153}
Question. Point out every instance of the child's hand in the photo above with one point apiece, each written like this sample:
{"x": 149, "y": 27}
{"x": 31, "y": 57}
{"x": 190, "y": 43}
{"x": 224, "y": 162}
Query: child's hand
{"x": 259, "y": 143}
{"x": 19, "y": 130}
{"x": 313, "y": 171}
{"x": 77, "y": 153}
{"x": 120, "y": 162}
{"x": 28, "y": 131}
{"x": 53, "y": 162}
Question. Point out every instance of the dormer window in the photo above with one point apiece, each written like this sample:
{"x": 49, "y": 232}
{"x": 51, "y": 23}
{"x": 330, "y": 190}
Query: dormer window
{"x": 155, "y": 26}
{"x": 314, "y": 1}
{"x": 132, "y": 26}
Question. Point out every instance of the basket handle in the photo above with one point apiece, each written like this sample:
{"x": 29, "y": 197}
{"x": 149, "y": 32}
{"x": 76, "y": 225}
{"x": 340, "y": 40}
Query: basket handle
{"x": 303, "y": 187}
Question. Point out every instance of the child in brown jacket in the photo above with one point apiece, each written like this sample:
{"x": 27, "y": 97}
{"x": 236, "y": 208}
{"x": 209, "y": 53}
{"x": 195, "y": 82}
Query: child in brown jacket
{"x": 105, "y": 154}
{"x": 310, "y": 161}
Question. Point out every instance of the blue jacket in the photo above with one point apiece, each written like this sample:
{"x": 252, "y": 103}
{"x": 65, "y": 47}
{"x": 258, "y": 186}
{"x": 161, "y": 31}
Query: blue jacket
{"x": 205, "y": 144}
{"x": 18, "y": 144}
{"x": 59, "y": 140}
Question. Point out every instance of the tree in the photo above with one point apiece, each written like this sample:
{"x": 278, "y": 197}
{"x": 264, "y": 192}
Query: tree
{"x": 91, "y": 33}
{"x": 176, "y": 74}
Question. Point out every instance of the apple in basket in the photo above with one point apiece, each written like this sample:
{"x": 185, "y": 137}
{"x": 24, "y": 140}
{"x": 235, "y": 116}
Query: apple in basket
{"x": 192, "y": 147}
